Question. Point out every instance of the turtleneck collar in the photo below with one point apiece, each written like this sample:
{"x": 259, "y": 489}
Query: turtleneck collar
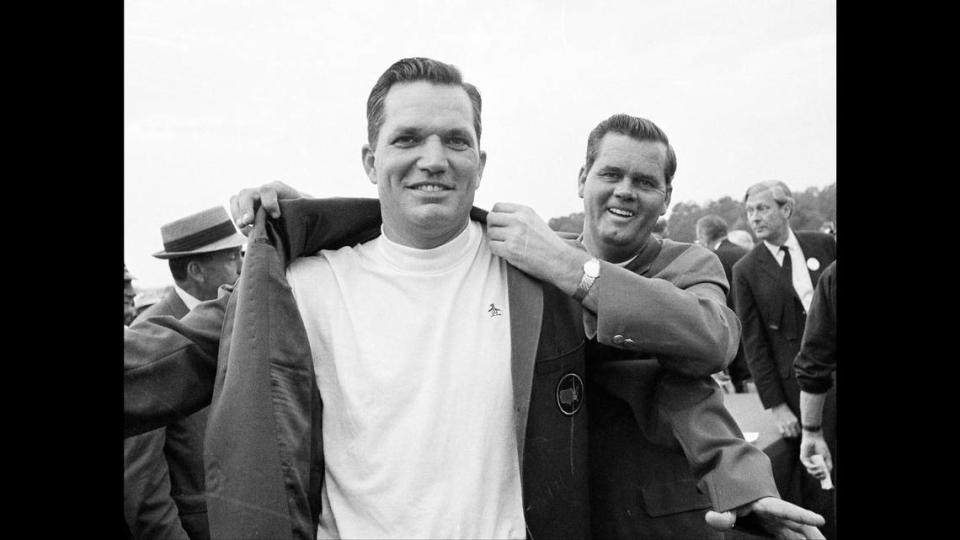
{"x": 434, "y": 260}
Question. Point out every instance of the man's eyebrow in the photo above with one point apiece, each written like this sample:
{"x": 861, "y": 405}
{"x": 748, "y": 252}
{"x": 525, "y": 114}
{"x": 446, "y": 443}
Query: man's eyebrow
{"x": 461, "y": 132}
{"x": 405, "y": 130}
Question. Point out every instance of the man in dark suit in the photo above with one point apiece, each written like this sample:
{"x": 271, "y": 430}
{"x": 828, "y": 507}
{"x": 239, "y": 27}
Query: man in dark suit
{"x": 773, "y": 286}
{"x": 712, "y": 234}
{"x": 163, "y": 469}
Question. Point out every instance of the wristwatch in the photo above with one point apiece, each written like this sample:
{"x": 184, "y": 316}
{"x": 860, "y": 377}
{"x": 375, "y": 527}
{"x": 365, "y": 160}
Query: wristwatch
{"x": 591, "y": 271}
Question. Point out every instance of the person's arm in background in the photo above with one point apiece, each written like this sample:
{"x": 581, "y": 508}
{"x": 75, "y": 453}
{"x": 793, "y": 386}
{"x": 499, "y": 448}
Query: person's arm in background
{"x": 760, "y": 359}
{"x": 169, "y": 366}
{"x": 814, "y": 365}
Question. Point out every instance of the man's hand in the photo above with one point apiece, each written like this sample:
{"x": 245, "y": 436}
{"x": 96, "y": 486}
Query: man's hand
{"x": 243, "y": 205}
{"x": 778, "y": 517}
{"x": 785, "y": 420}
{"x": 516, "y": 233}
{"x": 810, "y": 445}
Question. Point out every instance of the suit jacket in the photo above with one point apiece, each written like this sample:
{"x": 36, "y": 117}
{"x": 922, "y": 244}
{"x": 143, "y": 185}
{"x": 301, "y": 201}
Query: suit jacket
{"x": 263, "y": 449}
{"x": 729, "y": 253}
{"x": 773, "y": 317}
{"x": 163, "y": 469}
{"x": 663, "y": 448}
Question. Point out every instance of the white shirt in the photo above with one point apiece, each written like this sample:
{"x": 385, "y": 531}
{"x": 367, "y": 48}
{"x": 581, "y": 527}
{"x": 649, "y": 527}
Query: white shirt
{"x": 188, "y": 299}
{"x": 411, "y": 349}
{"x": 801, "y": 276}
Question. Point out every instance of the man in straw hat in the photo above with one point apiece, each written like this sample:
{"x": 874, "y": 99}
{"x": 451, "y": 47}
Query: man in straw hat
{"x": 163, "y": 469}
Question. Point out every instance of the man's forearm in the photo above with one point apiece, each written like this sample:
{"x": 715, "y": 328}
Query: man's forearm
{"x": 565, "y": 272}
{"x": 811, "y": 408}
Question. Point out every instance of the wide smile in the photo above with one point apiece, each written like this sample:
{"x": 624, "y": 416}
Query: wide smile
{"x": 431, "y": 187}
{"x": 621, "y": 212}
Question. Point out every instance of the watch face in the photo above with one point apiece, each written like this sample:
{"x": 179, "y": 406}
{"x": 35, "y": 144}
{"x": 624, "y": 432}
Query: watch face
{"x": 592, "y": 267}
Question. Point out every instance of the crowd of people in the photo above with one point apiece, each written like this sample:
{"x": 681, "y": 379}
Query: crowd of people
{"x": 412, "y": 366}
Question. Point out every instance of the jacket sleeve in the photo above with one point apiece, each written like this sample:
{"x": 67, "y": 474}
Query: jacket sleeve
{"x": 148, "y": 507}
{"x": 680, "y": 315}
{"x": 730, "y": 470}
{"x": 759, "y": 354}
{"x": 818, "y": 350}
{"x": 169, "y": 366}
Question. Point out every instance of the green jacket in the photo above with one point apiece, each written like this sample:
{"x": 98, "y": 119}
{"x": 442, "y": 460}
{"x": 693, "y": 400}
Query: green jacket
{"x": 247, "y": 355}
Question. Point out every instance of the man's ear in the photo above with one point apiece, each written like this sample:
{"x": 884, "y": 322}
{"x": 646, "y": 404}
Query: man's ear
{"x": 483, "y": 163}
{"x": 195, "y": 271}
{"x": 666, "y": 201}
{"x": 787, "y": 213}
{"x": 366, "y": 154}
{"x": 581, "y": 180}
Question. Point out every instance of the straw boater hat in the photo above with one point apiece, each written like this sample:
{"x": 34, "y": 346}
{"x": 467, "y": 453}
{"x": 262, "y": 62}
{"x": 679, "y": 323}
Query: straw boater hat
{"x": 203, "y": 232}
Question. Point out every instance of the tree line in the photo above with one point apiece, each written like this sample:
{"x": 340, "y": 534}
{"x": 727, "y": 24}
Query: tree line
{"x": 814, "y": 207}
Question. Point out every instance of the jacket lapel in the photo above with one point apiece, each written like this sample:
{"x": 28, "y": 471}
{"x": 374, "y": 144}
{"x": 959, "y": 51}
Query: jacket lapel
{"x": 767, "y": 263}
{"x": 526, "y": 316}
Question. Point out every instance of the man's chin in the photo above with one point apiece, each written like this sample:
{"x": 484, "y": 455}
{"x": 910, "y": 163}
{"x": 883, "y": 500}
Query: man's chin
{"x": 621, "y": 238}
{"x": 438, "y": 217}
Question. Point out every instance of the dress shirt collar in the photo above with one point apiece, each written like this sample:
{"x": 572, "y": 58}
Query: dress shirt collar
{"x": 188, "y": 299}
{"x": 792, "y": 244}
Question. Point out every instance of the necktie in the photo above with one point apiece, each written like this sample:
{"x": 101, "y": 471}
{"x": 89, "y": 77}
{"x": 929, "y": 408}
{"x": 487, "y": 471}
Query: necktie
{"x": 786, "y": 269}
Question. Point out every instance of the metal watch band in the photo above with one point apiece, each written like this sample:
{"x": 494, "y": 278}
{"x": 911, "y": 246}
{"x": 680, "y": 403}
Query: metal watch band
{"x": 586, "y": 280}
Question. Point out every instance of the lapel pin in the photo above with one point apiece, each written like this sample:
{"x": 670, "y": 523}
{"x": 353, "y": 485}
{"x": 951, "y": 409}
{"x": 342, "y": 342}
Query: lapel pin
{"x": 813, "y": 264}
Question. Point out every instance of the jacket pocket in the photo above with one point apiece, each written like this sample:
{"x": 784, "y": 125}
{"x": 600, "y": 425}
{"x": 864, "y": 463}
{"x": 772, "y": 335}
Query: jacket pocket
{"x": 555, "y": 363}
{"x": 673, "y": 498}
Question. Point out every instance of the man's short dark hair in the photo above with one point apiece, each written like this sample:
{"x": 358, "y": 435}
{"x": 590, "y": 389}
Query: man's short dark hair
{"x": 713, "y": 227}
{"x": 412, "y": 70}
{"x": 637, "y": 128}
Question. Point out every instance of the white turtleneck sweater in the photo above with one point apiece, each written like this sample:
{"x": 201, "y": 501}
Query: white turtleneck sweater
{"x": 412, "y": 355}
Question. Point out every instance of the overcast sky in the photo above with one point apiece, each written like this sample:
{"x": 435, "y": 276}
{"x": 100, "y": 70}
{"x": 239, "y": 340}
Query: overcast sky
{"x": 222, "y": 95}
